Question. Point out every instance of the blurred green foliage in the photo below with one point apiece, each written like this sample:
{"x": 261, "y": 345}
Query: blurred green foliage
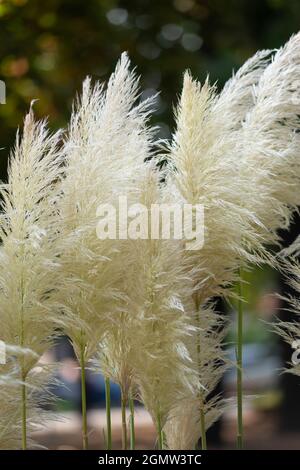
{"x": 48, "y": 47}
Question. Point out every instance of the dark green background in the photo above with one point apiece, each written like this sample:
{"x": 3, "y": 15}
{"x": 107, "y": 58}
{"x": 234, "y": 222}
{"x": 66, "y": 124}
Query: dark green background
{"x": 48, "y": 47}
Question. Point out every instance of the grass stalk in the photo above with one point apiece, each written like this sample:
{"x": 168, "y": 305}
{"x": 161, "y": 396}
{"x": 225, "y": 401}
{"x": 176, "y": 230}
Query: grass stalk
{"x": 108, "y": 414}
{"x": 239, "y": 354}
{"x": 24, "y": 415}
{"x": 23, "y": 376}
{"x": 160, "y": 441}
{"x": 124, "y": 424}
{"x": 203, "y": 430}
{"x": 85, "y": 443}
{"x": 201, "y": 401}
{"x": 132, "y": 423}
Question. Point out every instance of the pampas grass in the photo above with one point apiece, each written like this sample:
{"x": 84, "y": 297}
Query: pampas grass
{"x": 270, "y": 142}
{"x": 289, "y": 331}
{"x": 29, "y": 262}
{"x": 237, "y": 97}
{"x": 144, "y": 349}
{"x": 197, "y": 411}
{"x": 10, "y": 416}
{"x": 142, "y": 310}
{"x": 270, "y": 153}
{"x": 237, "y": 153}
{"x": 202, "y": 172}
{"x": 156, "y": 324}
{"x": 104, "y": 150}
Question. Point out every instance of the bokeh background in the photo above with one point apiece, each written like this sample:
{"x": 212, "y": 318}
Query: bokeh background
{"x": 46, "y": 50}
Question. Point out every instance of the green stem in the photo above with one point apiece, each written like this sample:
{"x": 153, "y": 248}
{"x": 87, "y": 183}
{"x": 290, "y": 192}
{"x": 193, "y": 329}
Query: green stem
{"x": 132, "y": 430}
{"x": 124, "y": 425}
{"x": 201, "y": 401}
{"x": 159, "y": 433}
{"x": 24, "y": 416}
{"x": 239, "y": 383}
{"x": 203, "y": 430}
{"x": 108, "y": 413}
{"x": 23, "y": 375}
{"x": 85, "y": 443}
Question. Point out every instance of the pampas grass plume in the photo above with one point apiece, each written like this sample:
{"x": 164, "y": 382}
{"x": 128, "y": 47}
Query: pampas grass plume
{"x": 29, "y": 261}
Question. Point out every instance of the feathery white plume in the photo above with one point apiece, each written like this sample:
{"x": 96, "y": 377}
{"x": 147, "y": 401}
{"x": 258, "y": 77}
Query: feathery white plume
{"x": 28, "y": 259}
{"x": 237, "y": 97}
{"x": 104, "y": 151}
{"x": 238, "y": 155}
{"x": 203, "y": 171}
{"x": 270, "y": 142}
{"x": 143, "y": 349}
{"x": 158, "y": 327}
{"x": 289, "y": 331}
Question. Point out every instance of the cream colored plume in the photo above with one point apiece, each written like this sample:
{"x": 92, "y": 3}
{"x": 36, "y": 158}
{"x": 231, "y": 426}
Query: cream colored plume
{"x": 157, "y": 286}
{"x": 237, "y": 154}
{"x": 10, "y": 416}
{"x": 143, "y": 350}
{"x": 205, "y": 346}
{"x": 237, "y": 97}
{"x": 270, "y": 142}
{"x": 38, "y": 399}
{"x": 290, "y": 330}
{"x": 29, "y": 263}
{"x": 204, "y": 170}
{"x": 105, "y": 148}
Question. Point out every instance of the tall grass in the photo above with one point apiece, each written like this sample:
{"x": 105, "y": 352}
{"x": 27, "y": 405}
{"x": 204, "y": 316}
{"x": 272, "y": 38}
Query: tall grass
{"x": 101, "y": 152}
{"x": 142, "y": 310}
{"x": 29, "y": 271}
